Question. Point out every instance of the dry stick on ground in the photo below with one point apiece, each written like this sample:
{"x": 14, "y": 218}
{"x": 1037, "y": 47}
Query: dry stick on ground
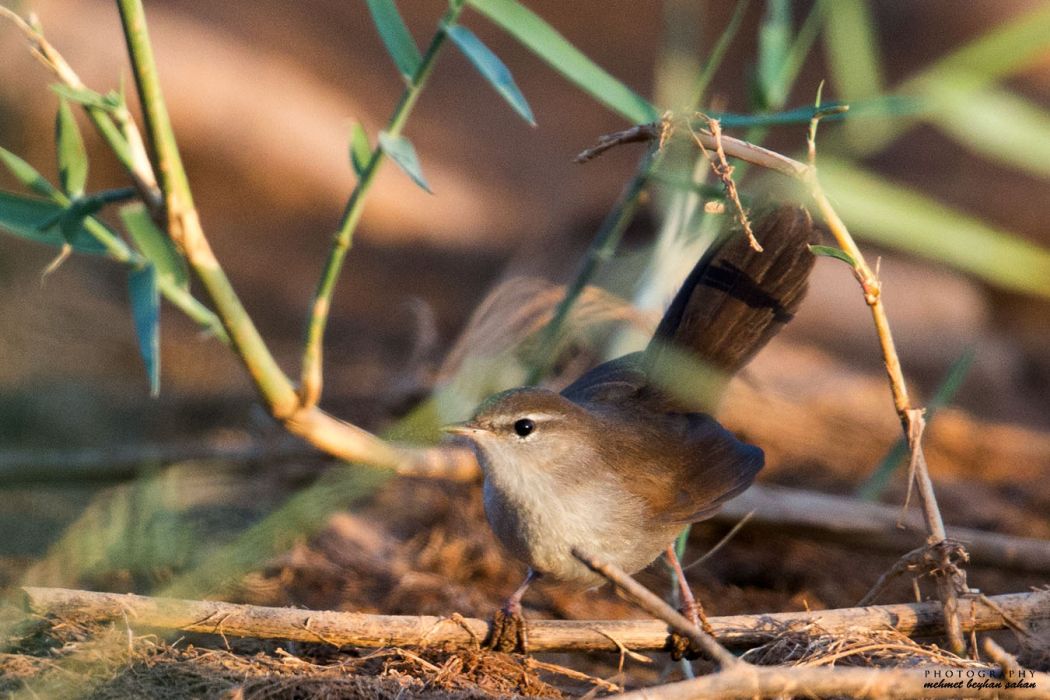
{"x": 1011, "y": 668}
{"x": 365, "y": 630}
{"x": 815, "y": 682}
{"x": 872, "y": 526}
{"x": 119, "y": 462}
{"x": 948, "y": 584}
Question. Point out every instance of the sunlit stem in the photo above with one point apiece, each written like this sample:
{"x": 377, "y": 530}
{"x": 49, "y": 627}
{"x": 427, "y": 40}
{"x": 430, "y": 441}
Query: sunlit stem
{"x": 184, "y": 224}
{"x": 311, "y": 378}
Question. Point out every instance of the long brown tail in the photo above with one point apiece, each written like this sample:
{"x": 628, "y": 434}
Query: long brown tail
{"x": 736, "y": 299}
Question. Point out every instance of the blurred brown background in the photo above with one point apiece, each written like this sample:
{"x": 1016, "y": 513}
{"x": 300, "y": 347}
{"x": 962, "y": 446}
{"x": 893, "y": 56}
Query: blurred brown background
{"x": 262, "y": 94}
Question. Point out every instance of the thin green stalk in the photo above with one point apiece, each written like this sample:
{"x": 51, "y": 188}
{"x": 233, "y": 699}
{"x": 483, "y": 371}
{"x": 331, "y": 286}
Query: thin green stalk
{"x": 311, "y": 380}
{"x": 714, "y": 61}
{"x": 116, "y": 248}
{"x": 111, "y": 134}
{"x": 601, "y": 250}
{"x": 800, "y": 48}
{"x": 172, "y": 175}
{"x": 184, "y": 225}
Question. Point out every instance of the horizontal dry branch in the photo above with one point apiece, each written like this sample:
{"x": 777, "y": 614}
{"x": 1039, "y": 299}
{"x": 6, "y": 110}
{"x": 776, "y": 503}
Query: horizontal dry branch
{"x": 817, "y": 682}
{"x": 873, "y": 526}
{"x": 121, "y": 462}
{"x": 365, "y": 630}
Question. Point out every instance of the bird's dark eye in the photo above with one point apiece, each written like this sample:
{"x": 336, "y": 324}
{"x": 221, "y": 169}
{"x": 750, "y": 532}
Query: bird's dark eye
{"x": 524, "y": 426}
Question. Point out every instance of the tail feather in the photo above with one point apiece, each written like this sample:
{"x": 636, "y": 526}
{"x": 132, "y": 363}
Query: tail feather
{"x": 736, "y": 298}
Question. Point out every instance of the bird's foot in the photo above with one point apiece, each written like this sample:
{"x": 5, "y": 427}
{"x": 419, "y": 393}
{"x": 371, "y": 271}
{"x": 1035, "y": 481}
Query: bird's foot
{"x": 681, "y": 646}
{"x": 509, "y": 631}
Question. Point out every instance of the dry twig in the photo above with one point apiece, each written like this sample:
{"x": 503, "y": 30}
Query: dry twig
{"x": 872, "y": 526}
{"x": 762, "y": 682}
{"x": 363, "y": 630}
{"x": 654, "y": 605}
{"x": 724, "y": 171}
{"x": 926, "y": 558}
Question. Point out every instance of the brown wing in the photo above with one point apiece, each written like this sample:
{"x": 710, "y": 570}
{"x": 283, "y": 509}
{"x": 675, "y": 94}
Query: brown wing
{"x": 716, "y": 467}
{"x": 611, "y": 381}
{"x": 685, "y": 465}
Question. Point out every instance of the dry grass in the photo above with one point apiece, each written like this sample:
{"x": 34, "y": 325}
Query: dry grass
{"x": 810, "y": 645}
{"x": 64, "y": 658}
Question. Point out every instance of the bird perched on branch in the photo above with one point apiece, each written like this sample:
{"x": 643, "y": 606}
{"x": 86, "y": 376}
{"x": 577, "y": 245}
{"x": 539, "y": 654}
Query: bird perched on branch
{"x": 619, "y": 462}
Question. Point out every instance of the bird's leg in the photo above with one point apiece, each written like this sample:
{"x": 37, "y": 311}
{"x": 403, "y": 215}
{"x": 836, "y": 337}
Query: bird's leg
{"x": 509, "y": 631}
{"x": 691, "y": 607}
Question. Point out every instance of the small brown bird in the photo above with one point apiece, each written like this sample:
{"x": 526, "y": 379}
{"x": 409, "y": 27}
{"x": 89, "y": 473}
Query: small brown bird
{"x": 618, "y": 463}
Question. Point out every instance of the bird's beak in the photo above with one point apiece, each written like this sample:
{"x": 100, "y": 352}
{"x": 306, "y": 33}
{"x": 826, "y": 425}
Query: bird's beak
{"x": 466, "y": 428}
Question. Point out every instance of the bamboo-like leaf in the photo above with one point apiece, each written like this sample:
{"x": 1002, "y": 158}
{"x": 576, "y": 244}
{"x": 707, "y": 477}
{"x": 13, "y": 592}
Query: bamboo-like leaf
{"x": 492, "y": 68}
{"x": 396, "y": 37}
{"x": 714, "y": 60}
{"x": 27, "y": 174}
{"x": 897, "y": 216}
{"x": 72, "y": 158}
{"x": 995, "y": 54}
{"x": 849, "y": 36}
{"x": 403, "y": 153}
{"x": 155, "y": 245}
{"x": 35, "y": 219}
{"x": 539, "y": 37}
{"x": 72, "y": 216}
{"x": 72, "y": 221}
{"x": 774, "y": 44}
{"x": 1000, "y": 126}
{"x": 89, "y": 98}
{"x": 832, "y": 252}
{"x": 145, "y": 312}
{"x": 972, "y": 68}
{"x": 360, "y": 149}
{"x": 856, "y": 68}
{"x": 886, "y": 106}
{"x": 797, "y": 53}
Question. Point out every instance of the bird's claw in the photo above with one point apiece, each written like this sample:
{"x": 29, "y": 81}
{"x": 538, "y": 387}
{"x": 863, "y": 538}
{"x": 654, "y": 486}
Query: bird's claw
{"x": 681, "y": 647}
{"x": 509, "y": 632}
